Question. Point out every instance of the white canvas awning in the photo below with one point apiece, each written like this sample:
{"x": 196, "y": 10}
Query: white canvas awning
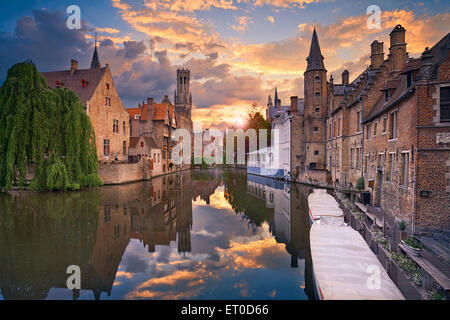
{"x": 322, "y": 204}
{"x": 344, "y": 266}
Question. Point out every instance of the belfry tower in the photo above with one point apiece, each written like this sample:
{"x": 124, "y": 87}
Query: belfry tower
{"x": 183, "y": 96}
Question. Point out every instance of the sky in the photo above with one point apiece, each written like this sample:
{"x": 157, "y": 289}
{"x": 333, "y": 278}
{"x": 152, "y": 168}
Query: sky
{"x": 238, "y": 51}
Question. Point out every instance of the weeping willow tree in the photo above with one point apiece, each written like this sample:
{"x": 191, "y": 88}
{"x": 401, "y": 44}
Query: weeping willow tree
{"x": 47, "y": 129}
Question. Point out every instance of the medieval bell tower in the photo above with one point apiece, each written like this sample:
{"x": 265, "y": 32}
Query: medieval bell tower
{"x": 183, "y": 96}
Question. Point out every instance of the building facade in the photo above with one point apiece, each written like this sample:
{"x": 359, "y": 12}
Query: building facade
{"x": 160, "y": 120}
{"x": 97, "y": 92}
{"x": 389, "y": 127}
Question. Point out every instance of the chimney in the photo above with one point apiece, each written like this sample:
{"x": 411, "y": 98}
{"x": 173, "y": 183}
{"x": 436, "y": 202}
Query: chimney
{"x": 150, "y": 109}
{"x": 376, "y": 54}
{"x": 397, "y": 51}
{"x": 294, "y": 104}
{"x": 426, "y": 71}
{"x": 345, "y": 77}
{"x": 73, "y": 66}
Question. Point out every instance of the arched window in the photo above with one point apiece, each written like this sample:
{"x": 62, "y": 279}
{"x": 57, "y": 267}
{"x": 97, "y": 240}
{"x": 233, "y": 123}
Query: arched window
{"x": 317, "y": 77}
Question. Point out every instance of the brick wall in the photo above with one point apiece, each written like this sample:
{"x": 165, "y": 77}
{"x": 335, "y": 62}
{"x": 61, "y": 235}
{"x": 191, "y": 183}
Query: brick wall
{"x": 102, "y": 117}
{"x": 125, "y": 172}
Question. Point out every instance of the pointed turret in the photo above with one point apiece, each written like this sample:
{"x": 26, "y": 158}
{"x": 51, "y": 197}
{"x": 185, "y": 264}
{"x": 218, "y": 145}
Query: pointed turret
{"x": 277, "y": 101}
{"x": 269, "y": 102}
{"x": 315, "y": 58}
{"x": 95, "y": 63}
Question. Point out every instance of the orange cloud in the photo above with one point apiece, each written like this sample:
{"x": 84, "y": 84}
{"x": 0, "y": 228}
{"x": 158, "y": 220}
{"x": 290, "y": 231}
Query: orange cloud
{"x": 170, "y": 279}
{"x": 107, "y": 30}
{"x": 242, "y": 23}
{"x": 189, "y": 6}
{"x": 169, "y": 21}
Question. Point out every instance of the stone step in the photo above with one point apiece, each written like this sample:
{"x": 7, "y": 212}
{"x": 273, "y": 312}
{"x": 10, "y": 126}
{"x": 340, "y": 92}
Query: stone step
{"x": 429, "y": 268}
{"x": 436, "y": 248}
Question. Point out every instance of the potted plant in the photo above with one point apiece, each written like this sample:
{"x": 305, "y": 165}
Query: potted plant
{"x": 413, "y": 246}
{"x": 403, "y": 233}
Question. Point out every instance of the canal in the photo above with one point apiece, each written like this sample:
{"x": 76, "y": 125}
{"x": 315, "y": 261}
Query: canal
{"x": 200, "y": 234}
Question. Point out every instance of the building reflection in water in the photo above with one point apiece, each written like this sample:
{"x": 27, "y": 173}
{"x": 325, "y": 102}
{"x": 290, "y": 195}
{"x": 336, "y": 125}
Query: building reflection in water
{"x": 42, "y": 234}
{"x": 289, "y": 224}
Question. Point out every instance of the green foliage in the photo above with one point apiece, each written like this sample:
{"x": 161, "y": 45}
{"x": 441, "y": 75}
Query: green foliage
{"x": 414, "y": 243}
{"x": 436, "y": 295}
{"x": 256, "y": 121}
{"x": 381, "y": 239}
{"x": 360, "y": 183}
{"x": 47, "y": 129}
{"x": 253, "y": 209}
{"x": 413, "y": 272}
{"x": 203, "y": 165}
{"x": 402, "y": 225}
{"x": 42, "y": 234}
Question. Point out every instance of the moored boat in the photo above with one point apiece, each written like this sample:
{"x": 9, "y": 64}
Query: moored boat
{"x": 344, "y": 266}
{"x": 321, "y": 204}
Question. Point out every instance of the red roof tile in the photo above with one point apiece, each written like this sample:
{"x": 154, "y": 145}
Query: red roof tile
{"x": 74, "y": 81}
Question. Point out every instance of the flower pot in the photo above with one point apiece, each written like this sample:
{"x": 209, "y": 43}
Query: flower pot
{"x": 414, "y": 251}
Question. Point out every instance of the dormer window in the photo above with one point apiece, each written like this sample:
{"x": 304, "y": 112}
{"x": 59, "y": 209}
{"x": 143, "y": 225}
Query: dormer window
{"x": 387, "y": 95}
{"x": 409, "y": 79}
{"x": 107, "y": 86}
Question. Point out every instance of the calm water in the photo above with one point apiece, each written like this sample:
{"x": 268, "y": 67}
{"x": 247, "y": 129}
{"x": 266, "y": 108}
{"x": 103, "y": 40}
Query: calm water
{"x": 195, "y": 235}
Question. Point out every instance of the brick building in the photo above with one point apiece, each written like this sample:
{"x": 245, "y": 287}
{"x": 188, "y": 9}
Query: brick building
{"x": 156, "y": 120}
{"x": 145, "y": 146}
{"x": 159, "y": 120}
{"x": 390, "y": 126}
{"x": 407, "y": 147}
{"x": 97, "y": 92}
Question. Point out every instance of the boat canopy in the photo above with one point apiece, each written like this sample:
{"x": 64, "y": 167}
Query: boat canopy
{"x": 344, "y": 266}
{"x": 322, "y": 204}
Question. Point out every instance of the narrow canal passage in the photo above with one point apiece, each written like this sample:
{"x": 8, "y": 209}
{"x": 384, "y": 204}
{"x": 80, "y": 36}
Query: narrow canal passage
{"x": 207, "y": 234}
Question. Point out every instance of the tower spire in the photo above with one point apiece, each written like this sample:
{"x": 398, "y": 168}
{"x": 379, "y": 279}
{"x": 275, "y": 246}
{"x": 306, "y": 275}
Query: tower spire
{"x": 95, "y": 63}
{"x": 315, "y": 58}
{"x": 277, "y": 101}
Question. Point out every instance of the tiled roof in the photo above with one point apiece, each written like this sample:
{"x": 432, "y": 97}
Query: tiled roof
{"x": 149, "y": 141}
{"x": 435, "y": 57}
{"x": 160, "y": 111}
{"x": 315, "y": 58}
{"x": 340, "y": 89}
{"x": 134, "y": 112}
{"x": 134, "y": 141}
{"x": 74, "y": 82}
{"x": 391, "y": 84}
{"x": 300, "y": 107}
{"x": 413, "y": 64}
{"x": 400, "y": 93}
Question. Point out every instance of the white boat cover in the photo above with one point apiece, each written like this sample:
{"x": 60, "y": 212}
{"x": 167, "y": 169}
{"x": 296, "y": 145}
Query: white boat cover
{"x": 322, "y": 204}
{"x": 344, "y": 266}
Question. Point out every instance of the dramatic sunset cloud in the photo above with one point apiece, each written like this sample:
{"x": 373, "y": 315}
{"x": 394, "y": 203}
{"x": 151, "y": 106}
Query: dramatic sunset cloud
{"x": 237, "y": 50}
